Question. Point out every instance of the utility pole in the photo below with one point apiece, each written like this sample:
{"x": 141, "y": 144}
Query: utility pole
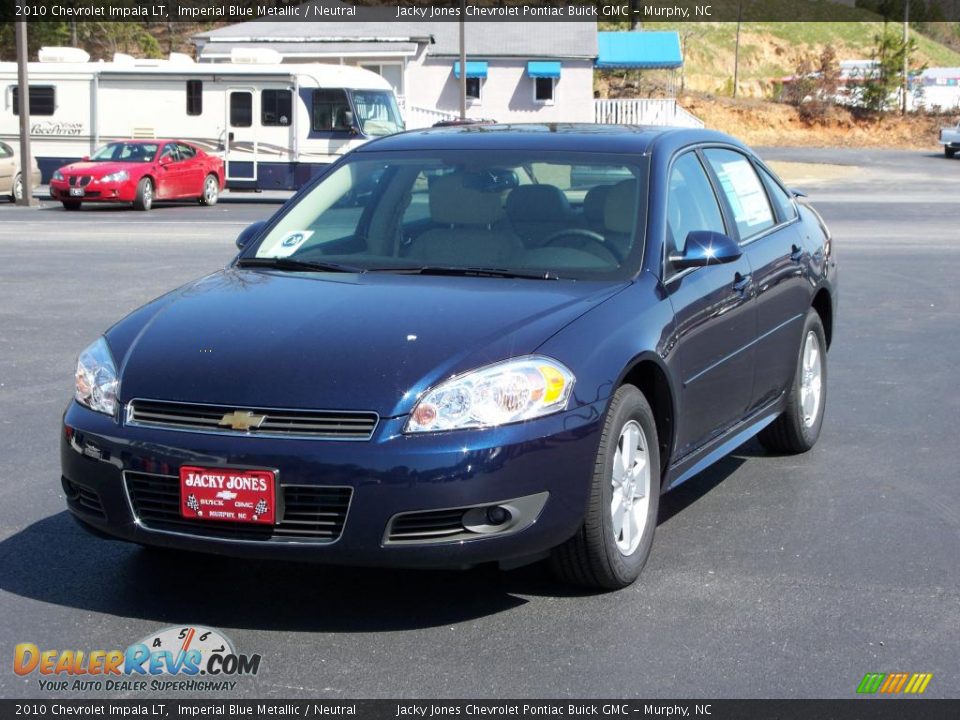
{"x": 463, "y": 60}
{"x": 23, "y": 99}
{"x": 736, "y": 52}
{"x": 906, "y": 57}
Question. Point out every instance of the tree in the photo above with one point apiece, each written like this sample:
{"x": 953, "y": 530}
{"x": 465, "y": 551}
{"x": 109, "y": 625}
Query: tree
{"x": 813, "y": 89}
{"x": 877, "y": 89}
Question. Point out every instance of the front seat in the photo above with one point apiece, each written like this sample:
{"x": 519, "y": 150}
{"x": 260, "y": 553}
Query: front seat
{"x": 471, "y": 236}
{"x": 620, "y": 214}
{"x": 537, "y": 212}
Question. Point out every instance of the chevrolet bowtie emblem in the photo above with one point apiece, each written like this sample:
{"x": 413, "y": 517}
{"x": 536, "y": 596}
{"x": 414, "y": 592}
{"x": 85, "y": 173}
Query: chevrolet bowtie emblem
{"x": 241, "y": 420}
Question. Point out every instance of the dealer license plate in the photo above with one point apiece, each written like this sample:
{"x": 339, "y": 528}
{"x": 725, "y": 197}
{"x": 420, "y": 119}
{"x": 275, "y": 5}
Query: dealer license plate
{"x": 77, "y": 192}
{"x": 228, "y": 495}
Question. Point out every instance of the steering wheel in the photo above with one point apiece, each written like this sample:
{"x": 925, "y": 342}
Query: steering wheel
{"x": 582, "y": 236}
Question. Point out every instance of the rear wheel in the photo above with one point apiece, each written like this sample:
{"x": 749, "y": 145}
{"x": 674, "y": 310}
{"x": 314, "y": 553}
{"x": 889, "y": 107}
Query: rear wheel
{"x": 144, "y": 199}
{"x": 71, "y": 204}
{"x": 949, "y": 151}
{"x": 211, "y": 191}
{"x": 798, "y": 427}
{"x": 613, "y": 544}
{"x": 17, "y": 191}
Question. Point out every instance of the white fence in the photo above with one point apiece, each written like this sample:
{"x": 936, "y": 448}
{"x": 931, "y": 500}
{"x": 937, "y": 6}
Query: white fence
{"x": 643, "y": 111}
{"x": 420, "y": 117}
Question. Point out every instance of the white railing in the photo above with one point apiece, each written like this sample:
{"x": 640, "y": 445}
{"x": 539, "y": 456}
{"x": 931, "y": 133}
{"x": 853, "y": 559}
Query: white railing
{"x": 420, "y": 117}
{"x": 644, "y": 111}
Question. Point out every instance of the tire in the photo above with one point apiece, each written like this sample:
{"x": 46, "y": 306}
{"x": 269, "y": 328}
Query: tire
{"x": 211, "y": 190}
{"x": 16, "y": 191}
{"x": 71, "y": 204}
{"x": 600, "y": 556}
{"x": 144, "y": 198}
{"x": 798, "y": 427}
{"x": 949, "y": 151}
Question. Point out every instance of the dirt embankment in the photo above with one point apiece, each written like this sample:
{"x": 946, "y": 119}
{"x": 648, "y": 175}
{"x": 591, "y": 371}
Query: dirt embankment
{"x": 759, "y": 122}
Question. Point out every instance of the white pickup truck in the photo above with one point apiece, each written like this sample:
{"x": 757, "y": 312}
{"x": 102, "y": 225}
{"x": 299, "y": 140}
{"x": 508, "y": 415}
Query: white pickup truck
{"x": 950, "y": 139}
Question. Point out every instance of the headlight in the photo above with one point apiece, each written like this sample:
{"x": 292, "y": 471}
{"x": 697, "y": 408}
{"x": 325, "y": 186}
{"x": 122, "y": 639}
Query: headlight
{"x": 118, "y": 176}
{"x": 506, "y": 392}
{"x": 97, "y": 381}
{"x": 57, "y": 175}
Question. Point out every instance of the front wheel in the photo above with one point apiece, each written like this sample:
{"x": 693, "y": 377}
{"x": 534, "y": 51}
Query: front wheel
{"x": 211, "y": 191}
{"x": 144, "y": 198}
{"x": 17, "y": 192}
{"x": 798, "y": 427}
{"x": 71, "y": 204}
{"x": 949, "y": 151}
{"x": 612, "y": 546}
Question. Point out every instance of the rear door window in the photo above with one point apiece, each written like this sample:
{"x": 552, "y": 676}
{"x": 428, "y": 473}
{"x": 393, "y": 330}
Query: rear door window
{"x": 743, "y": 190}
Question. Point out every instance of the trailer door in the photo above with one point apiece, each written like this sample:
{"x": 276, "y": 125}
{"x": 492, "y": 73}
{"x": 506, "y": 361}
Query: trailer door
{"x": 240, "y": 144}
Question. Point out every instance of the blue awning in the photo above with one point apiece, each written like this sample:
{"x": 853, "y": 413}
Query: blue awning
{"x": 475, "y": 69}
{"x": 639, "y": 49}
{"x": 543, "y": 69}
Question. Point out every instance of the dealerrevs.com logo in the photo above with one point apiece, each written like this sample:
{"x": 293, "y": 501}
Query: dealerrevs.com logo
{"x": 188, "y": 658}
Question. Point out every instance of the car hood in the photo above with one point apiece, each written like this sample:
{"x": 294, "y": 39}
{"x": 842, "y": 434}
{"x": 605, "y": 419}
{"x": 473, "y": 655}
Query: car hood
{"x": 334, "y": 342}
{"x": 100, "y": 168}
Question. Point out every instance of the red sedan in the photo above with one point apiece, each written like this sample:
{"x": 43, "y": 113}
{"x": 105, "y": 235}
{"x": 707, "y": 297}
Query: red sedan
{"x": 140, "y": 172}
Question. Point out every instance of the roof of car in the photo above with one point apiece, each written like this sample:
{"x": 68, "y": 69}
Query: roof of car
{"x": 569, "y": 137}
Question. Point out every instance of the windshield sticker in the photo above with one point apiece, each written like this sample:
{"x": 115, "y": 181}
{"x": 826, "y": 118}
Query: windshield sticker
{"x": 291, "y": 242}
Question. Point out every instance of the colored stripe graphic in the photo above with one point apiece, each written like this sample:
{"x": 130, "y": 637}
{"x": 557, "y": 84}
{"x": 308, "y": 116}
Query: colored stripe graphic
{"x": 918, "y": 683}
{"x": 894, "y": 683}
{"x": 870, "y": 683}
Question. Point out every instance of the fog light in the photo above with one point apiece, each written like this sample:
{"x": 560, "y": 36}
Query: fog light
{"x": 69, "y": 489}
{"x": 497, "y": 515}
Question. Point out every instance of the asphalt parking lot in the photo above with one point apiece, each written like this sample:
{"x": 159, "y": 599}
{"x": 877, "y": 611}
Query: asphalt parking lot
{"x": 769, "y": 577}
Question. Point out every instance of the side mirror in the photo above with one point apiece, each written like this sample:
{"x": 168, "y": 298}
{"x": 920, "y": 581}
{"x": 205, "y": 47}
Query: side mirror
{"x": 166, "y": 160}
{"x": 706, "y": 247}
{"x": 85, "y": 158}
{"x": 249, "y": 233}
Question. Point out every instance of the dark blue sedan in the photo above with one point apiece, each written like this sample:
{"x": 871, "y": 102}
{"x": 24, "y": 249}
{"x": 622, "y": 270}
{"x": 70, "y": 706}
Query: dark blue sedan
{"x": 465, "y": 345}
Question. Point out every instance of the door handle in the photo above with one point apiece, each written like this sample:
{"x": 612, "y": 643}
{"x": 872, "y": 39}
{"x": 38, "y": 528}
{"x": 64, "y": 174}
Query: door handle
{"x": 796, "y": 253}
{"x": 742, "y": 283}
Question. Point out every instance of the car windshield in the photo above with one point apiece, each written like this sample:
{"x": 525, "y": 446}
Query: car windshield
{"x": 547, "y": 215}
{"x": 126, "y": 152}
{"x": 377, "y": 112}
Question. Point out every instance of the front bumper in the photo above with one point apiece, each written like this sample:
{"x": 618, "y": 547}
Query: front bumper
{"x": 94, "y": 192}
{"x": 390, "y": 475}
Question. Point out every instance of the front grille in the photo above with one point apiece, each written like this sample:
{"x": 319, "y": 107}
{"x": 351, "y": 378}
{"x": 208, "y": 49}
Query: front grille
{"x": 81, "y": 180}
{"x": 427, "y": 525}
{"x": 308, "y": 512}
{"x": 322, "y": 424}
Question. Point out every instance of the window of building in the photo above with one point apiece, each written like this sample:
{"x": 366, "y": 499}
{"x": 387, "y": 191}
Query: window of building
{"x": 276, "y": 107}
{"x": 194, "y": 97}
{"x": 330, "y": 108}
{"x": 543, "y": 89}
{"x": 42, "y": 100}
{"x": 241, "y": 109}
{"x": 474, "y": 85}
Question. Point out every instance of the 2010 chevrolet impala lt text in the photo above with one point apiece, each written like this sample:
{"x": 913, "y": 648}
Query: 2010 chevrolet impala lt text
{"x": 465, "y": 345}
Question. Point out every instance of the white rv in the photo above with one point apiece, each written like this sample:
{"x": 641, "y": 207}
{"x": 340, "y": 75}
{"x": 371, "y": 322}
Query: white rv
{"x": 275, "y": 125}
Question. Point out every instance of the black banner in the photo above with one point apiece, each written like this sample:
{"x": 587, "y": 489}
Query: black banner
{"x": 854, "y": 709}
{"x": 609, "y": 11}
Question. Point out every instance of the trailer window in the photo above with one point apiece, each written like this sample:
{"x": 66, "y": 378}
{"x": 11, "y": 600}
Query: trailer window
{"x": 42, "y": 100}
{"x": 194, "y": 97}
{"x": 330, "y": 108}
{"x": 241, "y": 109}
{"x": 276, "y": 107}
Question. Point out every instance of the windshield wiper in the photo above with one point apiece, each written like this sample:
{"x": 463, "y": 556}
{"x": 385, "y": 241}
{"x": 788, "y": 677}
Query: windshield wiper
{"x": 467, "y": 272}
{"x": 294, "y": 264}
